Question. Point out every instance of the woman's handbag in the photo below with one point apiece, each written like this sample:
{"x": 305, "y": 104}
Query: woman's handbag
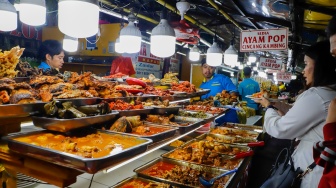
{"x": 283, "y": 175}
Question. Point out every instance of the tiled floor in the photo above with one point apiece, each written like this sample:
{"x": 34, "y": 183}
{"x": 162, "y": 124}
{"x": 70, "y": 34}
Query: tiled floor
{"x": 100, "y": 179}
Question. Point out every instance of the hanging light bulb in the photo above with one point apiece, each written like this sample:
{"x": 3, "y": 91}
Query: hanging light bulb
{"x": 194, "y": 54}
{"x": 70, "y": 44}
{"x": 163, "y": 39}
{"x": 119, "y": 48}
{"x": 183, "y": 6}
{"x": 214, "y": 55}
{"x": 130, "y": 36}
{"x": 8, "y": 16}
{"x": 33, "y": 12}
{"x": 252, "y": 58}
{"x": 78, "y": 18}
{"x": 230, "y": 55}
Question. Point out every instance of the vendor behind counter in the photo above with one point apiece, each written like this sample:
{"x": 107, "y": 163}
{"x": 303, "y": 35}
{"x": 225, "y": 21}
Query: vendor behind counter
{"x": 217, "y": 83}
{"x": 122, "y": 65}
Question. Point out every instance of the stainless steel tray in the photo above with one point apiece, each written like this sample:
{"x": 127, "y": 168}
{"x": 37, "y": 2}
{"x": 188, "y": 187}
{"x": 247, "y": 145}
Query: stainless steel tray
{"x": 230, "y": 149}
{"x": 209, "y": 118}
{"x": 226, "y": 162}
{"x": 89, "y": 165}
{"x": 223, "y": 110}
{"x": 132, "y": 98}
{"x": 182, "y": 129}
{"x": 65, "y": 125}
{"x": 227, "y": 139}
{"x": 233, "y": 132}
{"x": 199, "y": 92}
{"x": 81, "y": 101}
{"x": 144, "y": 111}
{"x": 135, "y": 178}
{"x": 169, "y": 132}
{"x": 210, "y": 171}
{"x": 254, "y": 128}
{"x": 20, "y": 110}
{"x": 166, "y": 110}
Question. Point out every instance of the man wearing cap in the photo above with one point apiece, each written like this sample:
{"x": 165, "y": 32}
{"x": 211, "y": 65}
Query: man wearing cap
{"x": 215, "y": 82}
{"x": 247, "y": 87}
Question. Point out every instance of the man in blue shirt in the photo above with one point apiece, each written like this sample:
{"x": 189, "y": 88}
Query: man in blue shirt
{"x": 247, "y": 87}
{"x": 217, "y": 83}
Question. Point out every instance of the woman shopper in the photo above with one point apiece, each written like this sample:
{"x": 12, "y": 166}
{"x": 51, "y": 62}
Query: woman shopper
{"x": 305, "y": 120}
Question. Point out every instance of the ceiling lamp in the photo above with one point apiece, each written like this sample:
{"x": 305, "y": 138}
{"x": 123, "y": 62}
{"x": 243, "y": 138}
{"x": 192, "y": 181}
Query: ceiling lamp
{"x": 214, "y": 55}
{"x": 118, "y": 47}
{"x": 194, "y": 54}
{"x": 70, "y": 44}
{"x": 33, "y": 12}
{"x": 252, "y": 58}
{"x": 230, "y": 55}
{"x": 130, "y": 36}
{"x": 78, "y": 18}
{"x": 163, "y": 39}
{"x": 183, "y": 6}
{"x": 8, "y": 16}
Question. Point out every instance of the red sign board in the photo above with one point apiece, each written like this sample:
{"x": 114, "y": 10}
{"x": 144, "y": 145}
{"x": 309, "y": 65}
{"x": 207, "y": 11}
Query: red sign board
{"x": 264, "y": 39}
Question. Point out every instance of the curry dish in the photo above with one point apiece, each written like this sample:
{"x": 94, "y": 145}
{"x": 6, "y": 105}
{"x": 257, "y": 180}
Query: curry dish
{"x": 91, "y": 146}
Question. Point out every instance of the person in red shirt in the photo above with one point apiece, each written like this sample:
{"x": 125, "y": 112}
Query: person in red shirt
{"x": 122, "y": 65}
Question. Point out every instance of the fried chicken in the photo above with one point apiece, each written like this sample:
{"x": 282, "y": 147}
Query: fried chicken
{"x": 21, "y": 96}
{"x": 7, "y": 87}
{"x": 75, "y": 94}
{"x": 40, "y": 80}
{"x": 22, "y": 85}
{"x": 6, "y": 81}
{"x": 61, "y": 87}
{"x": 4, "y": 97}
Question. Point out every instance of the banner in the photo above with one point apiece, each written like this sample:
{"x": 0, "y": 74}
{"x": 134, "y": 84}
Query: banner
{"x": 284, "y": 76}
{"x": 263, "y": 40}
{"x": 269, "y": 63}
{"x": 147, "y": 64}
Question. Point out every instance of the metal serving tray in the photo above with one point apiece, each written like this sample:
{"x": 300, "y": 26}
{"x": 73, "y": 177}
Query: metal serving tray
{"x": 89, "y": 165}
{"x": 234, "y": 132}
{"x": 199, "y": 92}
{"x": 212, "y": 108}
{"x": 244, "y": 127}
{"x": 212, "y": 171}
{"x": 209, "y": 118}
{"x": 81, "y": 101}
{"x": 134, "y": 178}
{"x": 227, "y": 139}
{"x": 232, "y": 146}
{"x": 144, "y": 111}
{"x": 20, "y": 110}
{"x": 132, "y": 98}
{"x": 65, "y": 125}
{"x": 182, "y": 129}
{"x": 166, "y": 110}
{"x": 223, "y": 159}
{"x": 169, "y": 132}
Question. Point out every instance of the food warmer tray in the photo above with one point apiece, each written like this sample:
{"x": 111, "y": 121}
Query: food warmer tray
{"x": 234, "y": 131}
{"x": 254, "y": 128}
{"x": 199, "y": 93}
{"x": 134, "y": 178}
{"x": 89, "y": 165}
{"x": 132, "y": 98}
{"x": 223, "y": 158}
{"x": 183, "y": 129}
{"x": 212, "y": 170}
{"x": 209, "y": 118}
{"x": 227, "y": 139}
{"x": 135, "y": 112}
{"x": 20, "y": 110}
{"x": 212, "y": 108}
{"x": 166, "y": 110}
{"x": 169, "y": 132}
{"x": 241, "y": 148}
{"x": 65, "y": 125}
{"x": 81, "y": 101}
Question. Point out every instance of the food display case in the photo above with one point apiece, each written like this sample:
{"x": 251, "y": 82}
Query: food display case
{"x": 34, "y": 160}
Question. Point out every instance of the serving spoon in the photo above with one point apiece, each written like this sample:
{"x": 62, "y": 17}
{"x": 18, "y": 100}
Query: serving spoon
{"x": 212, "y": 181}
